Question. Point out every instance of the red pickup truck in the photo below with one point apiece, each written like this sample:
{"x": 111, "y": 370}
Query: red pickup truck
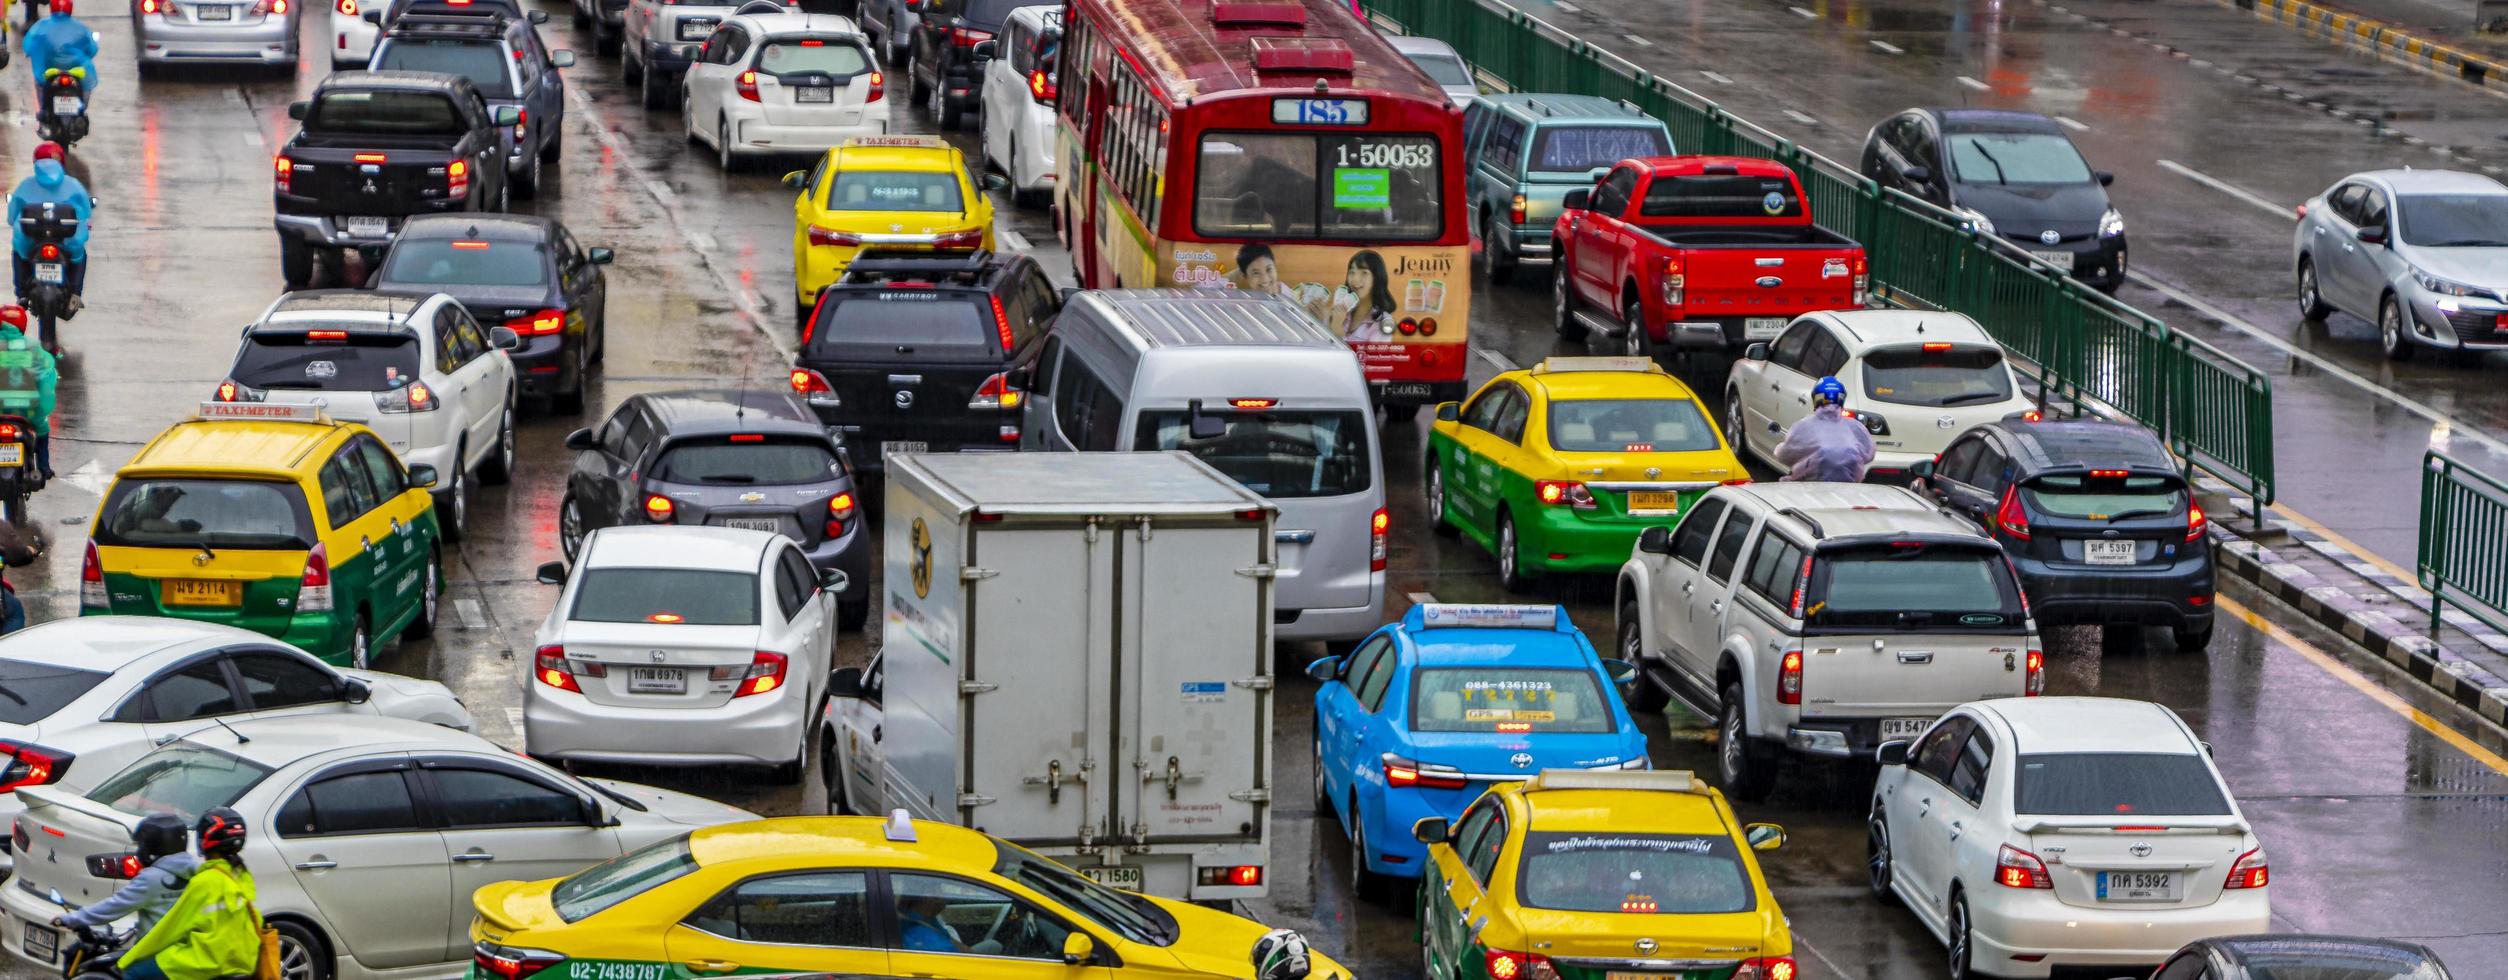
{"x": 1697, "y": 253}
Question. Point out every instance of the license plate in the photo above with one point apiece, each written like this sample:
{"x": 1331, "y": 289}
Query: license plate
{"x": 1653, "y": 503}
{"x": 657, "y": 680}
{"x": 51, "y": 272}
{"x": 213, "y": 12}
{"x": 1904, "y": 727}
{"x": 2060, "y": 260}
{"x": 754, "y": 523}
{"x": 202, "y": 592}
{"x": 1763, "y": 327}
{"x": 12, "y": 454}
{"x": 1631, "y": 975}
{"x": 695, "y": 30}
{"x": 42, "y": 942}
{"x": 2138, "y": 886}
{"x": 2108, "y": 552}
{"x": 68, "y": 105}
{"x": 1119, "y": 876}
{"x": 888, "y": 449}
{"x": 814, "y": 93}
{"x": 1407, "y": 389}
{"x": 369, "y": 227}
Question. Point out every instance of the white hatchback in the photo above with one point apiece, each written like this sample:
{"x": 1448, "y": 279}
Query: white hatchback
{"x": 782, "y": 83}
{"x": 1915, "y": 379}
{"x": 1022, "y": 81}
{"x": 678, "y": 644}
{"x": 2040, "y": 833}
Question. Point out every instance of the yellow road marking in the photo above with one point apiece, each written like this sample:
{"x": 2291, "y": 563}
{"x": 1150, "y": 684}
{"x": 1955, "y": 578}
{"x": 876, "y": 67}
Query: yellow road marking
{"x": 2347, "y": 674}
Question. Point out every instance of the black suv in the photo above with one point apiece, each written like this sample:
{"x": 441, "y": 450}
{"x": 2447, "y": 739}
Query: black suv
{"x": 945, "y": 73}
{"x": 505, "y": 60}
{"x": 2095, "y": 516}
{"x": 730, "y": 458}
{"x": 923, "y": 352}
{"x": 520, "y": 271}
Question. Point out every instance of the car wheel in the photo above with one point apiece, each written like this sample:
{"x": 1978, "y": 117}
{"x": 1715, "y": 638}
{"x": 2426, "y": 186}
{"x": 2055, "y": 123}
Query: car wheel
{"x": 1436, "y": 492}
{"x": 723, "y": 155}
{"x": 1878, "y": 868}
{"x": 792, "y": 773}
{"x": 569, "y": 401}
{"x": 1365, "y": 885}
{"x": 1633, "y": 339}
{"x": 1733, "y": 433}
{"x": 649, "y": 90}
{"x": 1498, "y": 268}
{"x": 850, "y": 616}
{"x": 530, "y": 188}
{"x": 498, "y": 470}
{"x": 504, "y": 193}
{"x": 2191, "y": 641}
{"x": 630, "y": 70}
{"x": 430, "y": 599}
{"x": 948, "y": 116}
{"x": 1511, "y": 575}
{"x": 1401, "y": 413}
{"x": 832, "y": 777}
{"x": 452, "y": 507}
{"x": 606, "y": 42}
{"x": 360, "y": 642}
{"x": 1644, "y": 695}
{"x": 2390, "y": 330}
{"x": 601, "y": 334}
{"x": 575, "y": 15}
{"x": 570, "y": 527}
{"x": 296, "y": 262}
{"x": 1323, "y": 794}
{"x": 1562, "y": 310}
{"x": 302, "y": 956}
{"x": 2312, "y": 306}
{"x": 1748, "y": 770}
{"x": 1958, "y": 928}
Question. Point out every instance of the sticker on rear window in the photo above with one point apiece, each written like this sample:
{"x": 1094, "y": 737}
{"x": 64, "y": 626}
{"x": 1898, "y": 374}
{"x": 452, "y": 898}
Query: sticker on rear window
{"x": 1774, "y": 203}
{"x": 322, "y": 369}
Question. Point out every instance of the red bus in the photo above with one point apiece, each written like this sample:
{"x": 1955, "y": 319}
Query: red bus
{"x": 1274, "y": 145}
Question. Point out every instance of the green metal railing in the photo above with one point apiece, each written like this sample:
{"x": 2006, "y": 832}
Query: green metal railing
{"x": 2081, "y": 345}
{"x": 2464, "y": 520}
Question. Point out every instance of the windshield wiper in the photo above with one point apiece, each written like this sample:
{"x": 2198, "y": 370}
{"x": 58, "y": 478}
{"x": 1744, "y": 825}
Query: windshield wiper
{"x": 1974, "y": 396}
{"x": 2469, "y": 243}
{"x": 1989, "y": 158}
{"x": 2145, "y": 512}
{"x": 11, "y": 695}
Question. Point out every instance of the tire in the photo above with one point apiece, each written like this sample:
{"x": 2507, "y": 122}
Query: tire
{"x": 1880, "y": 863}
{"x": 1507, "y": 549}
{"x": 2312, "y": 305}
{"x": 608, "y": 43}
{"x": 1633, "y": 339}
{"x": 551, "y": 150}
{"x": 452, "y": 507}
{"x": 1959, "y": 953}
{"x": 947, "y": 116}
{"x": 361, "y": 642}
{"x": 1435, "y": 490}
{"x": 569, "y": 401}
{"x": 296, "y": 262}
{"x": 723, "y": 155}
{"x": 1733, "y": 432}
{"x": 1499, "y": 268}
{"x": 915, "y": 89}
{"x": 2191, "y": 641}
{"x": 1644, "y": 695}
{"x": 302, "y": 954}
{"x": 792, "y": 773}
{"x": 430, "y": 600}
{"x": 2390, "y": 331}
{"x": 1365, "y": 885}
{"x": 832, "y": 777}
{"x": 1401, "y": 413}
{"x": 850, "y": 616}
{"x": 575, "y": 14}
{"x": 601, "y": 333}
{"x": 1562, "y": 309}
{"x": 650, "y": 93}
{"x": 498, "y": 470}
{"x": 570, "y": 527}
{"x": 530, "y": 183}
{"x": 1323, "y": 794}
{"x": 1748, "y": 770}
{"x": 631, "y": 71}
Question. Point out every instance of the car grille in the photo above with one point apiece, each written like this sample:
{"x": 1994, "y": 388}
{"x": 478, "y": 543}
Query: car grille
{"x": 2477, "y": 325}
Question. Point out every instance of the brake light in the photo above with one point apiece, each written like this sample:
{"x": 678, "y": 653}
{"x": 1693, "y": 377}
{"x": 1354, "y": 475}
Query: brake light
{"x": 550, "y": 666}
{"x": 1515, "y": 209}
{"x": 659, "y": 509}
{"x": 839, "y": 510}
{"x": 457, "y": 179}
{"x": 286, "y": 167}
{"x": 970, "y": 238}
{"x": 1236, "y": 875}
{"x": 748, "y": 85}
{"x": 30, "y": 764}
{"x": 537, "y": 323}
{"x": 416, "y": 397}
{"x": 49, "y": 252}
{"x": 1376, "y": 540}
{"x": 348, "y": 7}
{"x": 91, "y": 587}
{"x": 2034, "y": 681}
{"x": 8, "y": 432}
{"x": 2011, "y": 518}
{"x": 1041, "y": 86}
{"x": 813, "y": 387}
{"x": 313, "y": 588}
{"x": 1766, "y": 968}
{"x": 830, "y": 236}
{"x": 1790, "y": 678}
{"x": 371, "y": 158}
{"x": 763, "y": 673}
{"x": 1802, "y": 583}
{"x": 1937, "y": 347}
{"x": 338, "y": 335}
{"x": 522, "y": 117}
{"x": 1001, "y": 324}
{"x": 749, "y": 437}
{"x": 879, "y": 86}
{"x": 156, "y": 7}
{"x": 960, "y": 37}
{"x": 1252, "y": 404}
{"x": 2195, "y": 521}
{"x": 506, "y": 963}
{"x": 996, "y": 393}
{"x": 2016, "y": 868}
{"x": 1673, "y": 282}
{"x": 1509, "y": 965}
{"x": 1564, "y": 492}
{"x": 2107, "y": 474}
{"x": 1402, "y": 773}
{"x": 2249, "y": 872}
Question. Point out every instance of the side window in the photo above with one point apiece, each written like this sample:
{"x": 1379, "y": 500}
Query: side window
{"x": 486, "y": 798}
{"x": 1989, "y": 470}
{"x": 803, "y": 574}
{"x": 1016, "y": 40}
{"x": 1689, "y": 541}
{"x": 390, "y": 480}
{"x": 1364, "y": 663}
{"x": 347, "y": 488}
{"x": 1788, "y": 352}
{"x": 448, "y": 344}
{"x": 1960, "y": 461}
{"x": 1729, "y": 548}
{"x": 356, "y": 803}
{"x": 1475, "y": 122}
{"x": 1042, "y": 306}
{"x": 1824, "y": 355}
{"x": 2187, "y": 967}
{"x": 197, "y": 691}
{"x": 1371, "y": 694}
{"x": 1474, "y": 826}
{"x": 1968, "y": 771}
{"x": 1505, "y": 144}
{"x": 638, "y": 440}
{"x": 817, "y": 908}
{"x": 790, "y": 593}
{"x": 1079, "y": 387}
{"x": 1511, "y": 419}
{"x": 567, "y": 250}
{"x": 1921, "y": 149}
{"x": 947, "y": 915}
{"x": 1483, "y": 857}
{"x": 474, "y": 341}
{"x": 1483, "y": 412}
{"x": 1938, "y": 752}
{"x": 1105, "y": 420}
{"x": 278, "y": 680}
{"x": 1774, "y": 568}
{"x": 2346, "y": 201}
{"x": 1048, "y": 358}
{"x": 2373, "y": 208}
{"x": 1612, "y": 197}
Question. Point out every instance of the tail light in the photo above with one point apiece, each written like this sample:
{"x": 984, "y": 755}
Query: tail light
{"x": 270, "y": 7}
{"x": 457, "y": 179}
{"x": 1515, "y": 209}
{"x": 522, "y": 117}
{"x": 1401, "y": 773}
{"x": 313, "y": 588}
{"x": 508, "y": 963}
{"x": 49, "y": 252}
{"x": 1376, "y": 543}
{"x": 538, "y": 323}
{"x": 35, "y": 765}
{"x": 549, "y": 666}
{"x": 960, "y": 37}
{"x": 763, "y": 673}
{"x": 346, "y": 7}
{"x": 996, "y": 393}
{"x": 1001, "y": 324}
{"x": 1765, "y": 968}
{"x": 830, "y": 236}
{"x": 1673, "y": 282}
{"x": 2195, "y": 521}
{"x": 659, "y": 509}
{"x": 1564, "y": 492}
{"x": 748, "y": 85}
{"x": 286, "y": 167}
{"x": 2016, "y": 868}
{"x": 813, "y": 388}
{"x": 1790, "y": 678}
{"x": 8, "y": 432}
{"x": 839, "y": 510}
{"x": 2034, "y": 679}
{"x": 158, "y": 6}
{"x": 879, "y": 86}
{"x": 412, "y": 397}
{"x": 91, "y": 586}
{"x": 970, "y": 238}
{"x": 1041, "y": 86}
{"x": 1874, "y": 422}
{"x": 230, "y": 390}
{"x": 1232, "y": 875}
{"x": 2249, "y": 872}
{"x": 17, "y": 835}
{"x": 1802, "y": 584}
{"x": 1509, "y": 965}
{"x": 2011, "y": 518}
{"x": 1863, "y": 280}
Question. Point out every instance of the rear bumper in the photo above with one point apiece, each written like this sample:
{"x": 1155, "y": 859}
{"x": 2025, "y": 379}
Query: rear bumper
{"x": 1834, "y": 738}
{"x": 1333, "y": 623}
{"x": 961, "y": 86}
{"x": 1714, "y": 333}
{"x": 271, "y": 42}
{"x": 1557, "y": 540}
{"x": 323, "y": 231}
{"x": 668, "y": 57}
{"x": 1530, "y": 244}
{"x": 757, "y": 136}
{"x": 20, "y": 909}
{"x": 541, "y": 365}
{"x": 2036, "y": 924}
{"x": 2162, "y": 595}
{"x": 565, "y": 725}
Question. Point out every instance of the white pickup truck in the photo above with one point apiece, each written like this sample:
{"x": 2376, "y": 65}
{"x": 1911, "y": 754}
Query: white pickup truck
{"x": 1821, "y": 618}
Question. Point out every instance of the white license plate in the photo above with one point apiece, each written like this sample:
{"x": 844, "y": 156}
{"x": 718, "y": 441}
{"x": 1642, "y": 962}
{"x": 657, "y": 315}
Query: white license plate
{"x": 814, "y": 93}
{"x": 1904, "y": 727}
{"x": 41, "y": 942}
{"x": 12, "y": 454}
{"x": 369, "y": 227}
{"x": 213, "y": 13}
{"x": 1119, "y": 876}
{"x": 2108, "y": 552}
{"x": 1763, "y": 327}
{"x": 1407, "y": 389}
{"x": 695, "y": 30}
{"x": 51, "y": 272}
{"x": 657, "y": 680}
{"x": 754, "y": 523}
{"x": 2060, "y": 260}
{"x": 888, "y": 449}
{"x": 68, "y": 105}
{"x": 2140, "y": 886}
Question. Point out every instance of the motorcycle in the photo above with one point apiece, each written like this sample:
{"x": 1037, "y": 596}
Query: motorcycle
{"x": 19, "y": 477}
{"x": 61, "y": 115}
{"x": 49, "y": 224}
{"x": 93, "y": 952}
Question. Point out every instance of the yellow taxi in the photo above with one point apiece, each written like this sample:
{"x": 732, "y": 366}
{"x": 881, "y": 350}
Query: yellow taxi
{"x": 1557, "y": 468}
{"x": 901, "y": 192}
{"x": 273, "y": 518}
{"x": 1584, "y": 875}
{"x": 859, "y": 896}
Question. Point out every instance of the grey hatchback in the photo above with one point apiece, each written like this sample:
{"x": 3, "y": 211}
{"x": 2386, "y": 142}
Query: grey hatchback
{"x": 752, "y": 459}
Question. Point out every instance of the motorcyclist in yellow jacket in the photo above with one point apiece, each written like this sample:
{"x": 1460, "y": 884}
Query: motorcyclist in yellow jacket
{"x": 214, "y": 930}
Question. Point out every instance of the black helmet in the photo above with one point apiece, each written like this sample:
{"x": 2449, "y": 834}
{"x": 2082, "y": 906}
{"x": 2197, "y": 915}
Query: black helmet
{"x": 160, "y": 834}
{"x": 221, "y": 832}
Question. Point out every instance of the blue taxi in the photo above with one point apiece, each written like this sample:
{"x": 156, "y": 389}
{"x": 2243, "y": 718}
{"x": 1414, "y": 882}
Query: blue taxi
{"x": 1432, "y": 709}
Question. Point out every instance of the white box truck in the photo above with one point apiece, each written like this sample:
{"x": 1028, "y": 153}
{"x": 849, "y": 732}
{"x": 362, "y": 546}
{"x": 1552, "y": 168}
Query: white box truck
{"x": 1075, "y": 656}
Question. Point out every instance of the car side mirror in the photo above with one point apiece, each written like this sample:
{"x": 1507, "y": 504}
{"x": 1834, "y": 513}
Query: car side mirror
{"x": 600, "y": 256}
{"x": 1077, "y": 948}
{"x": 1756, "y": 352}
{"x": 539, "y": 16}
{"x": 834, "y": 579}
{"x": 1325, "y": 671}
{"x": 2373, "y": 235}
{"x": 996, "y": 183}
{"x": 373, "y": 17}
{"x": 1621, "y": 671}
{"x": 581, "y": 441}
{"x": 504, "y": 338}
{"x": 1763, "y": 836}
{"x": 422, "y": 476}
{"x": 1917, "y": 175}
{"x": 1656, "y": 540}
{"x": 1891, "y": 753}
{"x": 1576, "y": 200}
{"x": 1921, "y": 469}
{"x": 1430, "y": 830}
{"x": 551, "y": 573}
{"x": 1449, "y": 411}
{"x": 507, "y": 115}
{"x": 2103, "y": 177}
{"x": 560, "y": 59}
{"x": 354, "y": 691}
{"x": 984, "y": 50}
{"x": 1066, "y": 294}
{"x": 845, "y": 682}
{"x": 797, "y": 180}
{"x": 298, "y": 110}
{"x": 592, "y": 815}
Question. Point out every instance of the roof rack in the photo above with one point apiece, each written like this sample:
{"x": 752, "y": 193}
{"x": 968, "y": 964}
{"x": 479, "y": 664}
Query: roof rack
{"x": 879, "y": 265}
{"x": 1797, "y": 513}
{"x": 440, "y": 19}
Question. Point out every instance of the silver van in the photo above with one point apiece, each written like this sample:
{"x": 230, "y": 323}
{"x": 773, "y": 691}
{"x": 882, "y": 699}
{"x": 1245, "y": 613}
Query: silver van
{"x": 1253, "y": 386}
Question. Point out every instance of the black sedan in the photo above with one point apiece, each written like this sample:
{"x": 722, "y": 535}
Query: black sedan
{"x": 2008, "y": 174}
{"x": 2295, "y": 957}
{"x": 519, "y": 271}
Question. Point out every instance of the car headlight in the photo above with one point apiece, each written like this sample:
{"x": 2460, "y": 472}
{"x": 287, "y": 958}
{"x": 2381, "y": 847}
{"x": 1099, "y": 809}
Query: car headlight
{"x": 2446, "y": 287}
{"x": 1975, "y": 220}
{"x": 2111, "y": 224}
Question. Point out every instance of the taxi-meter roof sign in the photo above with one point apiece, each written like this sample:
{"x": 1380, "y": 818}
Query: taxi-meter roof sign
{"x": 1452, "y": 615}
{"x": 263, "y": 411}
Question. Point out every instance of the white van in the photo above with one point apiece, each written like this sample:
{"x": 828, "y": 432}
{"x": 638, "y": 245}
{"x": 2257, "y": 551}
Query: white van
{"x": 1254, "y": 387}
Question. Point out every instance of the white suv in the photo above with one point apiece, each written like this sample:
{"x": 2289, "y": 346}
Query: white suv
{"x": 1021, "y": 82}
{"x": 1915, "y": 379}
{"x": 783, "y": 83}
{"x": 1822, "y": 618}
{"x": 414, "y": 367}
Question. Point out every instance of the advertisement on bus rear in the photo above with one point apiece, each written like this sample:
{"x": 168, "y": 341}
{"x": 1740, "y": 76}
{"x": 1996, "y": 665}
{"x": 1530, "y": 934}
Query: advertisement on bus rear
{"x": 1403, "y": 308}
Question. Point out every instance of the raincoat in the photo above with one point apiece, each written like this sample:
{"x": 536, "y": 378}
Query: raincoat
{"x": 51, "y": 184}
{"x": 212, "y": 931}
{"x": 60, "y": 41}
{"x": 28, "y": 379}
{"x": 152, "y": 894}
{"x": 1827, "y": 447}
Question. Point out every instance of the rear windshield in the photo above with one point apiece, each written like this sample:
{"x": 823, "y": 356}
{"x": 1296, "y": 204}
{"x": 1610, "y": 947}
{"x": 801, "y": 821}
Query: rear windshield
{"x": 448, "y": 262}
{"x": 621, "y": 878}
{"x": 2304, "y": 959}
{"x": 1279, "y": 454}
{"x": 666, "y": 595}
{"x": 839, "y": 58}
{"x": 483, "y": 62}
{"x": 1508, "y": 699}
{"x": 2106, "y": 499}
{"x": 920, "y": 319}
{"x": 362, "y": 112}
{"x": 1936, "y": 379}
{"x": 245, "y": 514}
{"x": 2107, "y": 784}
{"x": 1922, "y": 587}
{"x": 893, "y": 190}
{"x": 293, "y": 361}
{"x": 1721, "y": 196}
{"x": 1638, "y": 874}
{"x": 31, "y": 692}
{"x": 184, "y": 778}
{"x": 721, "y": 461}
{"x": 1637, "y": 425}
{"x": 1580, "y": 149}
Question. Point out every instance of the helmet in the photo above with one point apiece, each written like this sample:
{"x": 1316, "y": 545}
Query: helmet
{"x": 1828, "y": 391}
{"x": 49, "y": 150}
{"x": 61, "y": 7}
{"x": 13, "y": 315}
{"x": 160, "y": 834}
{"x": 221, "y": 832}
{"x": 1281, "y": 954}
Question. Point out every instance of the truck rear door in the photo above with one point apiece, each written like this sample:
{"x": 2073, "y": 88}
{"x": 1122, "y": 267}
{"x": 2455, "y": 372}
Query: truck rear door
{"x": 1034, "y": 738}
{"x": 1194, "y": 714}
{"x": 1903, "y": 631}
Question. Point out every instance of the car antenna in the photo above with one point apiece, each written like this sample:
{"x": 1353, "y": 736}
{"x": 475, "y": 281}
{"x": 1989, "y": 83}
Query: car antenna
{"x": 240, "y": 738}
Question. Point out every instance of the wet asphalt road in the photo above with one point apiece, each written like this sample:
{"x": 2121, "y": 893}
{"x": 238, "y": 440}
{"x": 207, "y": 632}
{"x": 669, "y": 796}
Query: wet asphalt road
{"x": 2379, "y": 819}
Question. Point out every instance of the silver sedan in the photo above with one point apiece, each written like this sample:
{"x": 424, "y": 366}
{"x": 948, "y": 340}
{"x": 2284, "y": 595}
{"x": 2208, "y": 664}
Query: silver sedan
{"x": 2421, "y": 253}
{"x": 255, "y": 32}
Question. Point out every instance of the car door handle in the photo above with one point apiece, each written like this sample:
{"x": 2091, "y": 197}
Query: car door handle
{"x": 1955, "y": 829}
{"x": 474, "y": 857}
{"x": 1716, "y": 606}
{"x": 710, "y": 966}
{"x": 875, "y": 733}
{"x": 1688, "y": 587}
{"x": 316, "y": 865}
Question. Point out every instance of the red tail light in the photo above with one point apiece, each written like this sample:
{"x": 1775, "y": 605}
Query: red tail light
{"x": 996, "y": 393}
{"x": 763, "y": 673}
{"x": 2011, "y": 518}
{"x": 1235, "y": 875}
{"x": 313, "y": 588}
{"x": 8, "y": 432}
{"x": 960, "y": 37}
{"x": 1563, "y": 493}
{"x": 1515, "y": 209}
{"x": 30, "y": 764}
{"x": 522, "y": 117}
{"x": 49, "y": 252}
{"x": 879, "y": 86}
{"x": 457, "y": 179}
{"x": 1674, "y": 282}
{"x": 748, "y": 85}
{"x": 270, "y": 7}
{"x": 348, "y": 7}
{"x": 1790, "y": 678}
{"x": 1001, "y": 324}
{"x": 659, "y": 509}
{"x": 1766, "y": 968}
{"x": 158, "y": 7}
{"x": 1508, "y": 965}
{"x": 286, "y": 167}
{"x": 506, "y": 963}
{"x": 1042, "y": 87}
{"x": 830, "y": 236}
{"x": 2195, "y": 521}
{"x": 549, "y": 666}
{"x": 2034, "y": 681}
{"x": 970, "y": 238}
{"x": 1376, "y": 540}
{"x": 538, "y": 323}
{"x": 1401, "y": 773}
{"x": 813, "y": 387}
{"x": 91, "y": 586}
{"x": 1802, "y": 583}
{"x": 839, "y": 510}
{"x": 2016, "y": 868}
{"x": 2249, "y": 872}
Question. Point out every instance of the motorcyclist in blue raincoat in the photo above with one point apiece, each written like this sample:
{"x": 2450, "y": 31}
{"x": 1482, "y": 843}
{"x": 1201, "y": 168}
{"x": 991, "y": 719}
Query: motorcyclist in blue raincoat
{"x": 1830, "y": 446}
{"x": 60, "y": 41}
{"x": 51, "y": 184}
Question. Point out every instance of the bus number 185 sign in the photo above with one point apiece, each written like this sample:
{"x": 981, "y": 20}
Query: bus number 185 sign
{"x": 1319, "y": 112}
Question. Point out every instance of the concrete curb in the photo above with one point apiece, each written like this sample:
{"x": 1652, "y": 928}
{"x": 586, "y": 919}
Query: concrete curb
{"x": 2386, "y": 40}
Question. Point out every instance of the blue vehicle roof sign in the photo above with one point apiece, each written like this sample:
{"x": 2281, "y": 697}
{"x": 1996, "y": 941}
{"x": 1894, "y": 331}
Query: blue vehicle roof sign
{"x": 1454, "y": 615}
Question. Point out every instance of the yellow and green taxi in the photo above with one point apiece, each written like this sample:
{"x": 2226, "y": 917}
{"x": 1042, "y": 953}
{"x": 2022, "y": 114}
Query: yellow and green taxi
{"x": 1584, "y": 875}
{"x": 858, "y": 896}
{"x": 898, "y": 192}
{"x": 273, "y": 518}
{"x": 1557, "y": 468}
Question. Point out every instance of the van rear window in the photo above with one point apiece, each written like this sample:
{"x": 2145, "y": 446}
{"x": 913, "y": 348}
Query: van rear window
{"x": 182, "y": 513}
{"x": 1578, "y": 149}
{"x": 1915, "y": 586}
{"x": 1277, "y": 454}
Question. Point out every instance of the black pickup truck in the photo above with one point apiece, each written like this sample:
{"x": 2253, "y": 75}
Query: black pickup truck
{"x": 376, "y": 148}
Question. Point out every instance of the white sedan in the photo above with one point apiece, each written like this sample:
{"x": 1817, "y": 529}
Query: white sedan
{"x": 681, "y": 644}
{"x": 2036, "y": 833}
{"x": 89, "y": 695}
{"x": 367, "y": 835}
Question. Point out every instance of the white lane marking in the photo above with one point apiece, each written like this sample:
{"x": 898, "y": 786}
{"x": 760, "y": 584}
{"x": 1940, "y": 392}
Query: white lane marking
{"x": 467, "y": 610}
{"x": 1834, "y": 969}
{"x": 2225, "y": 187}
{"x": 1887, "y": 46}
{"x": 1974, "y": 84}
{"x": 1803, "y": 118}
{"x": 89, "y": 476}
{"x": 2073, "y": 124}
{"x": 1639, "y": 41}
{"x": 513, "y": 719}
{"x": 1566, "y": 7}
{"x": 1015, "y": 242}
{"x": 250, "y": 137}
{"x": 1420, "y": 598}
{"x": 2457, "y": 429}
{"x": 1804, "y": 13}
{"x": 1495, "y": 359}
{"x": 1716, "y": 78}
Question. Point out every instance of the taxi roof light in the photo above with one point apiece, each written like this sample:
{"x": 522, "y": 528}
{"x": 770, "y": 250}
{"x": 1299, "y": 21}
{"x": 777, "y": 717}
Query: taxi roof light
{"x": 266, "y": 411}
{"x": 900, "y": 827}
{"x": 1554, "y": 365}
{"x": 1453, "y": 615}
{"x": 1668, "y": 780}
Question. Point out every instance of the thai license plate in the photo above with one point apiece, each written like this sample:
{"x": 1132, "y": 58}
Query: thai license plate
{"x": 51, "y": 272}
{"x": 1633, "y": 975}
{"x": 2060, "y": 260}
{"x": 1763, "y": 327}
{"x": 1123, "y": 877}
{"x": 68, "y": 105}
{"x": 202, "y": 592}
{"x": 42, "y": 942}
{"x": 1904, "y": 727}
{"x": 888, "y": 449}
{"x": 12, "y": 454}
{"x": 2108, "y": 552}
{"x": 814, "y": 93}
{"x": 369, "y": 227}
{"x": 754, "y": 523}
{"x": 1407, "y": 389}
{"x": 657, "y": 680}
{"x": 2139, "y": 886}
{"x": 695, "y": 30}
{"x": 213, "y": 12}
{"x": 1653, "y": 503}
